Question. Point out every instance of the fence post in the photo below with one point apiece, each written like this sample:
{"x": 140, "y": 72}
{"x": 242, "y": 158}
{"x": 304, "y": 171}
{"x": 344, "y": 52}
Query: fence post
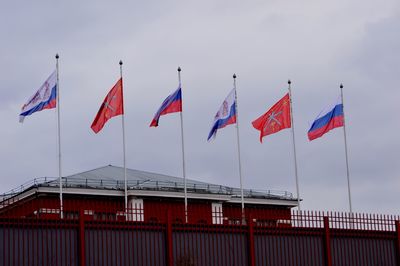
{"x": 82, "y": 258}
{"x": 252, "y": 259}
{"x": 169, "y": 244}
{"x": 398, "y": 241}
{"x": 328, "y": 254}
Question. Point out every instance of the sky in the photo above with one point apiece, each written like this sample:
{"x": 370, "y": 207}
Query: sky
{"x": 315, "y": 44}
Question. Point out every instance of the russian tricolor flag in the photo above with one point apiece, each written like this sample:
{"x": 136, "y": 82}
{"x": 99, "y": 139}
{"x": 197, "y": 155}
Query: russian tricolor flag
{"x": 44, "y": 98}
{"x": 226, "y": 114}
{"x": 172, "y": 104}
{"x": 330, "y": 118}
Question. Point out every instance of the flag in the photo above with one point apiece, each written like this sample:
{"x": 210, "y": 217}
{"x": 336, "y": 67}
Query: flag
{"x": 275, "y": 119}
{"x": 226, "y": 114}
{"x": 172, "y": 104}
{"x": 329, "y": 118}
{"x": 44, "y": 98}
{"x": 112, "y": 105}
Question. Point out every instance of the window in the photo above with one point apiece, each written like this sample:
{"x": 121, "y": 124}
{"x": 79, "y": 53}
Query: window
{"x": 216, "y": 212}
{"x": 104, "y": 216}
{"x": 234, "y": 221}
{"x": 49, "y": 211}
{"x": 88, "y": 212}
{"x": 71, "y": 215}
{"x": 135, "y": 210}
{"x": 265, "y": 222}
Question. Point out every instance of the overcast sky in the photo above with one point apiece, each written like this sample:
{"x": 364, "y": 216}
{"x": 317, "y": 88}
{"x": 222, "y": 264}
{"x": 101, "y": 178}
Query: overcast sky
{"x": 317, "y": 44}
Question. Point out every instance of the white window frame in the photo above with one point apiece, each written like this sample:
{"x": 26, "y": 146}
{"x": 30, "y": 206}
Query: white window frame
{"x": 217, "y": 213}
{"x": 136, "y": 210}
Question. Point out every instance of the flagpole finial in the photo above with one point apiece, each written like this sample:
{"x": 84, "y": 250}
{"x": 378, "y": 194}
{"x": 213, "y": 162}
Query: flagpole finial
{"x": 57, "y": 56}
{"x": 179, "y": 69}
{"x": 289, "y": 82}
{"x": 234, "y": 76}
{"x": 120, "y": 62}
{"x": 341, "y": 85}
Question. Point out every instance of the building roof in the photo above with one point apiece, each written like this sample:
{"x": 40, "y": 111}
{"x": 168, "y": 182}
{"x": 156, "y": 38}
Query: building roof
{"x": 109, "y": 180}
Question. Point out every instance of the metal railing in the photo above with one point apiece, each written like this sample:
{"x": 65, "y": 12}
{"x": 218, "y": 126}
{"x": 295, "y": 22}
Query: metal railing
{"x": 344, "y": 220}
{"x": 148, "y": 184}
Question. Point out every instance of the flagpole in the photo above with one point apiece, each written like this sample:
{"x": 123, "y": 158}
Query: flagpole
{"x": 238, "y": 146}
{"x": 183, "y": 154}
{"x": 123, "y": 144}
{"x": 294, "y": 147}
{"x": 59, "y": 139}
{"x": 345, "y": 148}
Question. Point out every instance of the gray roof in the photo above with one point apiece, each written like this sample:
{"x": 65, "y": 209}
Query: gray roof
{"x": 112, "y": 178}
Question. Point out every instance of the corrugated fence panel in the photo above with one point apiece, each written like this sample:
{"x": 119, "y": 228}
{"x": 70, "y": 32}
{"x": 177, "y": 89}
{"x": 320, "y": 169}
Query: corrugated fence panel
{"x": 123, "y": 246}
{"x": 288, "y": 249}
{"x": 363, "y": 251}
{"x": 209, "y": 248}
{"x": 314, "y": 240}
{"x": 38, "y": 246}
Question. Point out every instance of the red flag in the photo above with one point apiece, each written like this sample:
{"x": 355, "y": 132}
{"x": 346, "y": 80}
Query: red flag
{"x": 112, "y": 105}
{"x": 275, "y": 119}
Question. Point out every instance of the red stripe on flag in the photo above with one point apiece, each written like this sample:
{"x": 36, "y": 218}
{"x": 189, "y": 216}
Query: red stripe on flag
{"x": 337, "y": 121}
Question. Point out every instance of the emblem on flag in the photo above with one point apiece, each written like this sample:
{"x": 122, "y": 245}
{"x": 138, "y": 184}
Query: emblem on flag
{"x": 275, "y": 119}
{"x": 113, "y": 105}
{"x": 44, "y": 98}
{"x": 226, "y": 114}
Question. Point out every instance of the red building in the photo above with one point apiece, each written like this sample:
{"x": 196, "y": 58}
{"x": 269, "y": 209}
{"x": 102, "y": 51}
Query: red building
{"x": 100, "y": 194}
{"x": 97, "y": 230}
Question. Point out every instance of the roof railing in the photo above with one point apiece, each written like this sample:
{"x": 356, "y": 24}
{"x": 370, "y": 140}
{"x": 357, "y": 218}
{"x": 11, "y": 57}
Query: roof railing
{"x": 147, "y": 184}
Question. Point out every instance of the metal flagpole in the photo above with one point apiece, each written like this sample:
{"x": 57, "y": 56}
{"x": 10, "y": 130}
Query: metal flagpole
{"x": 345, "y": 147}
{"x": 123, "y": 143}
{"x": 59, "y": 139}
{"x": 183, "y": 154}
{"x": 238, "y": 146}
{"x": 294, "y": 147}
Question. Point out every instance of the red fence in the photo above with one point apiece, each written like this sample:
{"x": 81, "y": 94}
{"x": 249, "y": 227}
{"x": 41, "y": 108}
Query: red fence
{"x": 307, "y": 238}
